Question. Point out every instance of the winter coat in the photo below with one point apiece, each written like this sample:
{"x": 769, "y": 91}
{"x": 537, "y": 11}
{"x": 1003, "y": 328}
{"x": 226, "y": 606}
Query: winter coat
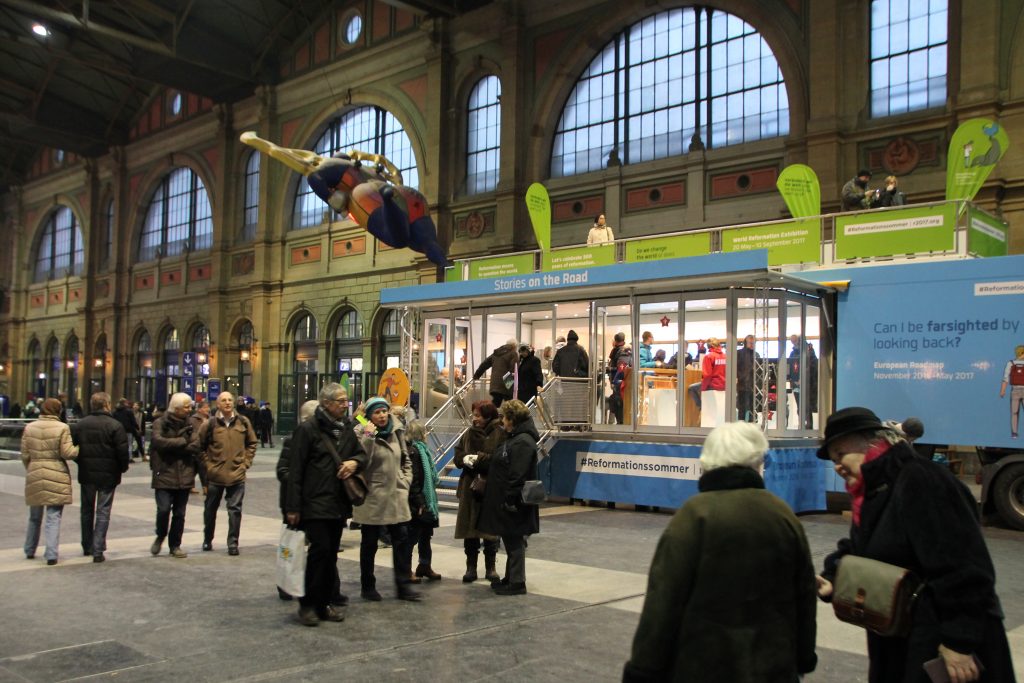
{"x": 713, "y": 367}
{"x": 647, "y": 356}
{"x": 226, "y": 451}
{"x": 513, "y": 463}
{"x": 264, "y": 419}
{"x": 917, "y": 515}
{"x": 571, "y": 361}
{"x": 731, "y": 592}
{"x": 745, "y": 368}
{"x": 501, "y": 361}
{"x": 172, "y": 455}
{"x": 531, "y": 377}
{"x": 312, "y": 488}
{"x": 126, "y": 417}
{"x": 102, "y": 450}
{"x": 853, "y": 197}
{"x": 388, "y": 478}
{"x": 46, "y": 446}
{"x": 483, "y": 441}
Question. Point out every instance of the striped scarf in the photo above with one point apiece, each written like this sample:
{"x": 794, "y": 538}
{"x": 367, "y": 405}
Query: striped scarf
{"x": 430, "y": 480}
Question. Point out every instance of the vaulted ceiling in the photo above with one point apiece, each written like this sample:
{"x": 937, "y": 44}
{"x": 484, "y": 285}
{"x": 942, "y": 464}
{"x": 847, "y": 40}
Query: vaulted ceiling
{"x": 77, "y": 81}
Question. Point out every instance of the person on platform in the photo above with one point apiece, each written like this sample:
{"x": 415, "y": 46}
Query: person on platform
{"x": 646, "y": 354}
{"x": 173, "y": 464}
{"x": 531, "y": 377}
{"x": 914, "y": 513}
{"x": 227, "y": 446}
{"x": 324, "y": 450}
{"x": 388, "y": 475}
{"x": 712, "y": 372}
{"x": 472, "y": 456}
{"x": 46, "y": 448}
{"x": 716, "y": 615}
{"x": 571, "y": 360}
{"x": 601, "y": 233}
{"x": 855, "y": 195}
{"x": 502, "y": 364}
{"x": 890, "y": 195}
{"x": 618, "y": 341}
{"x": 102, "y": 459}
{"x": 745, "y": 379}
{"x": 503, "y": 512}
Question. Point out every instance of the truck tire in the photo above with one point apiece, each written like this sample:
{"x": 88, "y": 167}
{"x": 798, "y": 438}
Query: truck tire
{"x": 1008, "y": 495}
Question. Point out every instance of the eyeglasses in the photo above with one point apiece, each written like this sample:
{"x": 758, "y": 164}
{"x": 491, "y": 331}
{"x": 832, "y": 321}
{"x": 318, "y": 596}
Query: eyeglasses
{"x": 340, "y": 401}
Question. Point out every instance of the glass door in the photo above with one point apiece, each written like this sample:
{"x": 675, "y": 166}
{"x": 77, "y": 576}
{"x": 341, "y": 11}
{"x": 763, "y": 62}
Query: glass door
{"x": 437, "y": 372}
{"x": 658, "y": 342}
{"x": 704, "y": 356}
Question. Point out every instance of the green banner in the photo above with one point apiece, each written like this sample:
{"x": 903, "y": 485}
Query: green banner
{"x": 500, "y": 266}
{"x": 986, "y": 234}
{"x": 790, "y": 242}
{"x": 453, "y": 273}
{"x": 896, "y": 231}
{"x": 798, "y": 184}
{"x": 538, "y": 204}
{"x": 974, "y": 150}
{"x": 580, "y": 257}
{"x": 676, "y": 246}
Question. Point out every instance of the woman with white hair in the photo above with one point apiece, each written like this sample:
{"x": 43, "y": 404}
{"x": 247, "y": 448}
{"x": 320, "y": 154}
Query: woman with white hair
{"x": 731, "y": 594}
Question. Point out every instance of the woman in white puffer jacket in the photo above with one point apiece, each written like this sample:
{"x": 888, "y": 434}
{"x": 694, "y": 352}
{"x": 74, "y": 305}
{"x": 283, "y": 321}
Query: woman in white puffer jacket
{"x": 46, "y": 448}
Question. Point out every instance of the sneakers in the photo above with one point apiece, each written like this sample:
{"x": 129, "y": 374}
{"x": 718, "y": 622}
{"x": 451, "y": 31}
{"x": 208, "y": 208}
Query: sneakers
{"x": 426, "y": 572}
{"x": 307, "y": 616}
{"x": 370, "y": 594}
{"x": 99, "y": 558}
{"x": 155, "y": 548}
{"x": 331, "y": 614}
{"x": 178, "y": 553}
{"x": 511, "y": 589}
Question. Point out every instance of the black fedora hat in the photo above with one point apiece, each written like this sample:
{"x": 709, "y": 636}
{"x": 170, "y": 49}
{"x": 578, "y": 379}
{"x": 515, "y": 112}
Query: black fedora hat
{"x": 847, "y": 421}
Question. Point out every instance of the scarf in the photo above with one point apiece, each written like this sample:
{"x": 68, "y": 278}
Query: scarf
{"x": 385, "y": 431}
{"x": 856, "y": 489}
{"x": 430, "y": 479}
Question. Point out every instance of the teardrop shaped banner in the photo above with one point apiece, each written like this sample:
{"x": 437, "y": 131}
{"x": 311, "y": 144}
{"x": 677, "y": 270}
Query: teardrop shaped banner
{"x": 798, "y": 184}
{"x": 974, "y": 150}
{"x": 539, "y": 205}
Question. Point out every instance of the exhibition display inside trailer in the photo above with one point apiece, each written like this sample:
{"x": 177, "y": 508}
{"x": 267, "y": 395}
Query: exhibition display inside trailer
{"x": 645, "y": 452}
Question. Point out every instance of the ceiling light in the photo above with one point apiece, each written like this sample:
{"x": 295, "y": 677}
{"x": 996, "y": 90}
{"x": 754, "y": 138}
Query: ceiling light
{"x": 40, "y": 30}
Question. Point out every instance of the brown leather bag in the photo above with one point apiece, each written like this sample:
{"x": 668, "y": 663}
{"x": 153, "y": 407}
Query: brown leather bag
{"x": 355, "y": 485}
{"x": 478, "y": 485}
{"x": 875, "y": 595}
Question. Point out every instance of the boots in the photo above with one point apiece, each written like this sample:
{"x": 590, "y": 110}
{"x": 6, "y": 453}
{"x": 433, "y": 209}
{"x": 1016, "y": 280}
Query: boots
{"x": 470, "y": 575}
{"x": 426, "y": 572}
{"x": 489, "y": 567}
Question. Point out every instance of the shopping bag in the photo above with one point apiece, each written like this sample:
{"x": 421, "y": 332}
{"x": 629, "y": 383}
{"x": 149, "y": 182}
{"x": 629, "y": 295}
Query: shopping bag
{"x": 291, "y": 562}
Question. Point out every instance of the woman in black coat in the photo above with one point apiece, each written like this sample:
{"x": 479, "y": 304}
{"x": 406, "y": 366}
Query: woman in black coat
{"x": 503, "y": 513}
{"x": 531, "y": 377}
{"x": 913, "y": 513}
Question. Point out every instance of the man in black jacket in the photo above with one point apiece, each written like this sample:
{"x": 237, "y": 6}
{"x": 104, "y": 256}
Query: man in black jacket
{"x": 102, "y": 458}
{"x": 126, "y": 417}
{"x": 571, "y": 360}
{"x": 531, "y": 378}
{"x": 324, "y": 451}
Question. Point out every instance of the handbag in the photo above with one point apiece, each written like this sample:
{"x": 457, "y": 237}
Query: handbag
{"x": 478, "y": 485}
{"x": 875, "y": 595}
{"x": 355, "y": 485}
{"x": 533, "y": 492}
{"x": 291, "y": 562}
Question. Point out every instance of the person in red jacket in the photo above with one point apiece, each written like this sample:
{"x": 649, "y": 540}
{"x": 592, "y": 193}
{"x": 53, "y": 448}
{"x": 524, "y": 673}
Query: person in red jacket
{"x": 713, "y": 367}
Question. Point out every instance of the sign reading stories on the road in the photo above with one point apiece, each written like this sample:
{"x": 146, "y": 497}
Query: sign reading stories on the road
{"x": 934, "y": 341}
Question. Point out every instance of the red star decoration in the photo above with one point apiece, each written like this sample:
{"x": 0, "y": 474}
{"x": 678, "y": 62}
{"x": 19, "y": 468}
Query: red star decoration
{"x": 665, "y": 321}
{"x": 438, "y": 337}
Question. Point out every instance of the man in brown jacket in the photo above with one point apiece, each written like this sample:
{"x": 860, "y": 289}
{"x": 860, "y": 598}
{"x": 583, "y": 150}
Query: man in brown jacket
{"x": 227, "y": 445}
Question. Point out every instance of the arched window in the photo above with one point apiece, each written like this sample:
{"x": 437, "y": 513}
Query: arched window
{"x": 38, "y": 368}
{"x": 71, "y": 370}
{"x": 54, "y": 364}
{"x": 483, "y": 144}
{"x": 681, "y": 78}
{"x": 389, "y": 350}
{"x": 348, "y": 353}
{"x": 909, "y": 42}
{"x": 141, "y": 387}
{"x": 60, "y": 250}
{"x": 251, "y": 209}
{"x": 169, "y": 372}
{"x": 200, "y": 346}
{"x": 367, "y": 129}
{"x": 179, "y": 217}
{"x": 98, "y": 374}
{"x": 240, "y": 384}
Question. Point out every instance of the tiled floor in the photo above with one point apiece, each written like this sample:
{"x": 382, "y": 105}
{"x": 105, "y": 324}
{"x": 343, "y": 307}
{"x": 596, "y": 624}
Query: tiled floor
{"x": 212, "y": 617}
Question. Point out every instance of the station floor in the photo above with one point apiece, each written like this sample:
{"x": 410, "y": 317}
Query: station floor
{"x": 212, "y": 617}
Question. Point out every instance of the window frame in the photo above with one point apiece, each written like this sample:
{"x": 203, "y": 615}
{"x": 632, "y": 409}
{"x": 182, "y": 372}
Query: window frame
{"x": 485, "y": 180}
{"x": 881, "y": 98}
{"x": 193, "y": 201}
{"x": 48, "y": 239}
{"x": 251, "y": 197}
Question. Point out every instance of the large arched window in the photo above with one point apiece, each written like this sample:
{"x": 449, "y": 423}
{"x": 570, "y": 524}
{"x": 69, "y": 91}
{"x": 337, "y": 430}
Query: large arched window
{"x": 251, "y": 209}
{"x": 179, "y": 218}
{"x": 681, "y": 78}
{"x": 908, "y": 55}
{"x": 60, "y": 249}
{"x": 367, "y": 129}
{"x": 483, "y": 144}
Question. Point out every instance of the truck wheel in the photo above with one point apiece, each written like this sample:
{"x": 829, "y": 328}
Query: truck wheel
{"x": 1008, "y": 495}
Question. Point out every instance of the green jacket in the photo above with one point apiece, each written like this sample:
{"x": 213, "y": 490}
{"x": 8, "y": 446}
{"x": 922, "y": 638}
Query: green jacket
{"x": 731, "y": 594}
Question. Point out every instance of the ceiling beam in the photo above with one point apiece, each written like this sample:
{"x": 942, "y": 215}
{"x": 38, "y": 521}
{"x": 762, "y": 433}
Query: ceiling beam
{"x": 425, "y": 7}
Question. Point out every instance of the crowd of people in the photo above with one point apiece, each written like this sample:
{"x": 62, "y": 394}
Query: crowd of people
{"x": 709, "y": 613}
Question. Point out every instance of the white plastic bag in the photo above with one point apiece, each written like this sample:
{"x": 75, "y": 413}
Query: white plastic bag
{"x": 291, "y": 562}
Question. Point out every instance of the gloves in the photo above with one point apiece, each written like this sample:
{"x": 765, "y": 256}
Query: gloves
{"x": 470, "y": 460}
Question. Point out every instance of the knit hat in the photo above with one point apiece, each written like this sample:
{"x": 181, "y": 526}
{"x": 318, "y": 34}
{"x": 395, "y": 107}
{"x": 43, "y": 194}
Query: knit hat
{"x": 572, "y": 336}
{"x": 845, "y": 422}
{"x": 374, "y": 404}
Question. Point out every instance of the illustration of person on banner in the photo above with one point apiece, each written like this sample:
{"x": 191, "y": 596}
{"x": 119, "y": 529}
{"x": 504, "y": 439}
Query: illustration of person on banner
{"x": 1013, "y": 376}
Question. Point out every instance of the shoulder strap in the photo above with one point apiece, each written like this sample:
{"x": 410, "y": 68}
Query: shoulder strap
{"x": 329, "y": 445}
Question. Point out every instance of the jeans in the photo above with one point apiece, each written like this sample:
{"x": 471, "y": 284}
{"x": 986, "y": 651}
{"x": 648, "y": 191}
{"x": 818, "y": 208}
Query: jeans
{"x": 51, "y": 529}
{"x": 171, "y": 503}
{"x": 515, "y": 564}
{"x": 322, "y": 581}
{"x": 419, "y": 534}
{"x": 694, "y": 390}
{"x": 96, "y": 503}
{"x": 368, "y": 551}
{"x": 235, "y": 495}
